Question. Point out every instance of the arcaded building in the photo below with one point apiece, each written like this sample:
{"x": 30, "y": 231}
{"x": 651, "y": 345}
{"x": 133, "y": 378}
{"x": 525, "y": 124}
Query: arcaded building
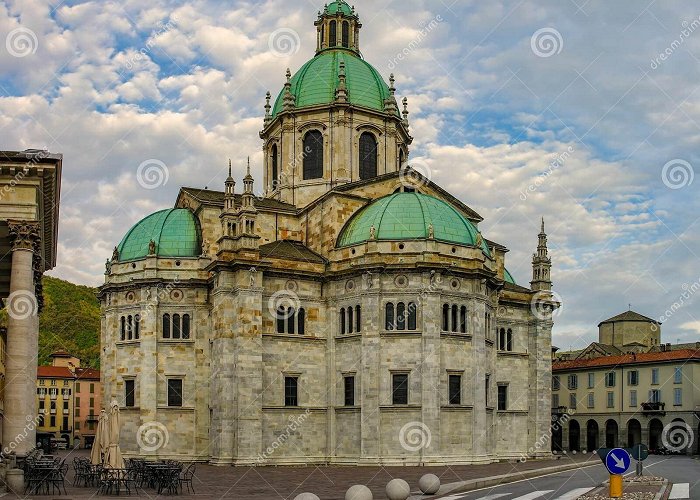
{"x": 355, "y": 314}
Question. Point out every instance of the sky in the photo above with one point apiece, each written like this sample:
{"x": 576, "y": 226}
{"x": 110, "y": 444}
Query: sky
{"x": 584, "y": 112}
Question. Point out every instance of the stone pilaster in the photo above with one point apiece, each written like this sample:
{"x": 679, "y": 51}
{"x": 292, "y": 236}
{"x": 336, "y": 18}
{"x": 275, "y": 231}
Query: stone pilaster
{"x": 540, "y": 397}
{"x": 369, "y": 371}
{"x": 22, "y": 340}
{"x": 482, "y": 424}
{"x": 431, "y": 371}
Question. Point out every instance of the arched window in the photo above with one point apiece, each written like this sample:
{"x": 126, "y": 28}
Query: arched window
{"x": 313, "y": 155}
{"x": 400, "y": 316}
{"x": 454, "y": 317}
{"x": 176, "y": 326}
{"x": 302, "y": 320}
{"x": 342, "y": 321}
{"x": 368, "y": 156}
{"x": 346, "y": 34}
{"x": 463, "y": 319}
{"x": 412, "y": 319}
{"x": 166, "y": 326}
{"x": 323, "y": 36}
{"x": 350, "y": 320}
{"x": 137, "y": 326}
{"x": 185, "y": 326}
{"x": 445, "y": 317}
{"x": 129, "y": 328}
{"x": 502, "y": 339}
{"x": 123, "y": 328}
{"x": 509, "y": 340}
{"x": 389, "y": 316}
{"x": 280, "y": 319}
{"x": 402, "y": 158}
{"x": 291, "y": 319}
{"x": 358, "y": 322}
{"x": 273, "y": 165}
{"x": 333, "y": 33}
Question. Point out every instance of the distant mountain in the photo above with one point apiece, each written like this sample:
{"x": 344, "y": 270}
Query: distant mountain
{"x": 70, "y": 321}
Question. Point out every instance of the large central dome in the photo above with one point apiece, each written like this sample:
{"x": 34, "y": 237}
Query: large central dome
{"x": 315, "y": 83}
{"x": 409, "y": 216}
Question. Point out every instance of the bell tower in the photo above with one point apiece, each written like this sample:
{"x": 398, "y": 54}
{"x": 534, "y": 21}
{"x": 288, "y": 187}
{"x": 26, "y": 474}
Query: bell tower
{"x": 541, "y": 264}
{"x": 335, "y": 121}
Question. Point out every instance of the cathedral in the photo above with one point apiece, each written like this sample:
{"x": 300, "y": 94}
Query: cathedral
{"x": 354, "y": 314}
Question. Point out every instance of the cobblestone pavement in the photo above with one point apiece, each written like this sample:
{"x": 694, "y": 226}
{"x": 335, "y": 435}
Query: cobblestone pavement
{"x": 328, "y": 482}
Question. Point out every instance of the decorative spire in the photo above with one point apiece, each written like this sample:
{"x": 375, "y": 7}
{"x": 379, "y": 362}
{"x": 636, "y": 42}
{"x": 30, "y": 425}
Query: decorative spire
{"x": 390, "y": 105}
{"x": 405, "y": 110}
{"x": 341, "y": 93}
{"x": 288, "y": 99}
{"x": 392, "y": 81}
{"x": 229, "y": 190}
{"x": 541, "y": 264}
{"x": 268, "y": 116}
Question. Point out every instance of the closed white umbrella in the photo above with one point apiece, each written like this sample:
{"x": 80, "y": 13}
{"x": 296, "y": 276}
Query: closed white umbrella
{"x": 113, "y": 458}
{"x": 99, "y": 443}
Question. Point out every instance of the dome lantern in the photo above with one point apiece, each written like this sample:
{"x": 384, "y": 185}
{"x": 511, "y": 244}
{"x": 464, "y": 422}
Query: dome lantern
{"x": 338, "y": 26}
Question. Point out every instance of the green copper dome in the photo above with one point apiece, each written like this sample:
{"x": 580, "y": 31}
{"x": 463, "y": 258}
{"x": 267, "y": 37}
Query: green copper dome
{"x": 408, "y": 216}
{"x": 175, "y": 232}
{"x": 338, "y": 6}
{"x": 315, "y": 83}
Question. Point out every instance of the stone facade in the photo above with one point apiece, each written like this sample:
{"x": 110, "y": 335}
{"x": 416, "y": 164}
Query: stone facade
{"x": 261, "y": 386}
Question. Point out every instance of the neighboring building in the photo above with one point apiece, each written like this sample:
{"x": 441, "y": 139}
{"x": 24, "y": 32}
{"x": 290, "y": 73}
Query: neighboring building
{"x": 30, "y": 185}
{"x": 68, "y": 398}
{"x": 352, "y": 309}
{"x": 634, "y": 390}
{"x": 87, "y": 404}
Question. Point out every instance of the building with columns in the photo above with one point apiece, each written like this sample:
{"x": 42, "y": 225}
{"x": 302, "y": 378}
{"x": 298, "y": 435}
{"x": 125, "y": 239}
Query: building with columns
{"x": 355, "y": 314}
{"x": 627, "y": 388}
{"x": 30, "y": 184}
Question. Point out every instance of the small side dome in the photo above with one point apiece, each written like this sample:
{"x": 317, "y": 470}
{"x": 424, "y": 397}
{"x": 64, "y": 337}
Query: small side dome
{"x": 508, "y": 277}
{"x": 339, "y": 6}
{"x": 175, "y": 231}
{"x": 410, "y": 216}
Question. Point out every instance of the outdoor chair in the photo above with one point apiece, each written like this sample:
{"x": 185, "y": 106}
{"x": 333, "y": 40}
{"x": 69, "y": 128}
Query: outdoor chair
{"x": 186, "y": 477}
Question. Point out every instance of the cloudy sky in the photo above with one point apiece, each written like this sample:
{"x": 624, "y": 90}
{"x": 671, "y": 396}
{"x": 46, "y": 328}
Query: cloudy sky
{"x": 586, "y": 112}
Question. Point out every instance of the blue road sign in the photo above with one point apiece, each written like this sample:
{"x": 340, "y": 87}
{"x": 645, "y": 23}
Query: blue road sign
{"x": 617, "y": 461}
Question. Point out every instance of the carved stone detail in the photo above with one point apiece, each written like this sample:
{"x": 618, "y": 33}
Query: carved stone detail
{"x": 25, "y": 234}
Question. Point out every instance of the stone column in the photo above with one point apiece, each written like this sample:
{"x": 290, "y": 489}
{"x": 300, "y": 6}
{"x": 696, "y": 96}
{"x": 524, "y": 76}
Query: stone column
{"x": 22, "y": 336}
{"x": 369, "y": 371}
{"x": 431, "y": 370}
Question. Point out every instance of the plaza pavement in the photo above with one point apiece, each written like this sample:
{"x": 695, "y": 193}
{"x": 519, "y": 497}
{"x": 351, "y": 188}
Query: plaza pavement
{"x": 328, "y": 482}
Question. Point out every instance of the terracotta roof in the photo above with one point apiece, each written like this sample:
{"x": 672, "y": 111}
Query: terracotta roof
{"x": 87, "y": 374}
{"x": 629, "y": 316}
{"x": 291, "y": 250}
{"x": 53, "y": 372}
{"x": 628, "y": 359}
{"x": 61, "y": 354}
{"x": 217, "y": 198}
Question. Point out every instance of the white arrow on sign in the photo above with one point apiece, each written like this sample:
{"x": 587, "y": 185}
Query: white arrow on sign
{"x": 619, "y": 462}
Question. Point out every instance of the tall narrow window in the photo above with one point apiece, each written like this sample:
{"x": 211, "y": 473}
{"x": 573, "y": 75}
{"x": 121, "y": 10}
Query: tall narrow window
{"x": 389, "y": 316}
{"x": 487, "y": 384}
{"x": 350, "y": 320}
{"x": 399, "y": 386}
{"x": 129, "y": 327}
{"x": 333, "y": 34}
{"x": 176, "y": 326}
{"x": 301, "y": 320}
{"x": 291, "y": 319}
{"x": 174, "y": 392}
{"x": 445, "y": 317}
{"x": 313, "y": 155}
{"x": 502, "y": 397}
{"x": 502, "y": 339}
{"x": 291, "y": 391}
{"x": 281, "y": 315}
{"x": 402, "y": 158}
{"x": 358, "y": 321}
{"x": 323, "y": 36}
{"x": 137, "y": 326}
{"x": 346, "y": 34}
{"x": 166, "y": 326}
{"x": 412, "y": 319}
{"x": 463, "y": 319}
{"x": 342, "y": 320}
{"x": 509, "y": 340}
{"x": 123, "y": 328}
{"x": 400, "y": 316}
{"x": 129, "y": 399}
{"x": 349, "y": 391}
{"x": 186, "y": 326}
{"x": 273, "y": 165}
{"x": 368, "y": 156}
{"x": 455, "y": 389}
{"x": 454, "y": 317}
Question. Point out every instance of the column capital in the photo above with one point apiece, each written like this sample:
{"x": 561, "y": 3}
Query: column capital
{"x": 25, "y": 234}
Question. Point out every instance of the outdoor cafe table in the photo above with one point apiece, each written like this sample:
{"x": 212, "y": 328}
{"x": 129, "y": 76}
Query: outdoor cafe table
{"x": 41, "y": 476}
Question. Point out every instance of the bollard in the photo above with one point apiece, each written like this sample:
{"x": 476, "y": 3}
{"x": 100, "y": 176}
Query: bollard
{"x": 615, "y": 486}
